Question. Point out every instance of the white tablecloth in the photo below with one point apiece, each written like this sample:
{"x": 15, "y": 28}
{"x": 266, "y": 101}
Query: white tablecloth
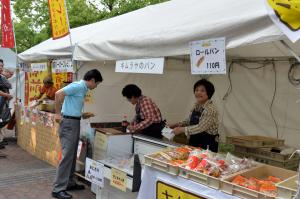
{"x": 151, "y": 176}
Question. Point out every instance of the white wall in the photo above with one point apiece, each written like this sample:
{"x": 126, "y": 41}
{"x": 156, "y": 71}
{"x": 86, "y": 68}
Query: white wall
{"x": 172, "y": 91}
{"x": 246, "y": 110}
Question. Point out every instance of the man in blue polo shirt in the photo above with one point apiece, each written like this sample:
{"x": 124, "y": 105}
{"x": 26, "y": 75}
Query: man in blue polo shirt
{"x": 68, "y": 104}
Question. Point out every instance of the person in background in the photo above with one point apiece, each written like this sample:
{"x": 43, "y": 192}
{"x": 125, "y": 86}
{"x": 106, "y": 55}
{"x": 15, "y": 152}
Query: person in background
{"x": 5, "y": 85}
{"x": 68, "y": 106}
{"x": 201, "y": 127}
{"x": 148, "y": 119}
{"x": 48, "y": 89}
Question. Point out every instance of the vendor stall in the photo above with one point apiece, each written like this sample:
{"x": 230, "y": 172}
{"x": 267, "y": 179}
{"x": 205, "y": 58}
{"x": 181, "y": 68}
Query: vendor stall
{"x": 257, "y": 97}
{"x": 37, "y": 134}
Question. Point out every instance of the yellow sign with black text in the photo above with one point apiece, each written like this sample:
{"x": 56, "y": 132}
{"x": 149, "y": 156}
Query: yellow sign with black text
{"x": 58, "y": 16}
{"x": 166, "y": 191}
{"x": 118, "y": 179}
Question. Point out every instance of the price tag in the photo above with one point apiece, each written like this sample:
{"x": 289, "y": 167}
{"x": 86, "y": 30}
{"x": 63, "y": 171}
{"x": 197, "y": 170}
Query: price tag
{"x": 208, "y": 56}
{"x": 94, "y": 172}
{"x": 118, "y": 179}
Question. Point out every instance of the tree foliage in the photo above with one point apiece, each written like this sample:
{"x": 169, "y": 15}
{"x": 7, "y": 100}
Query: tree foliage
{"x": 32, "y": 24}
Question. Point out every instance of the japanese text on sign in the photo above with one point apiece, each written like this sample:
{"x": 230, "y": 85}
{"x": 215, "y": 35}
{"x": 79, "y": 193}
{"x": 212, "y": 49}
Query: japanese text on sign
{"x": 62, "y": 66}
{"x": 33, "y": 85}
{"x": 208, "y": 56}
{"x": 25, "y": 67}
{"x": 58, "y": 17}
{"x": 118, "y": 179}
{"x": 151, "y": 66}
{"x": 89, "y": 97}
{"x": 166, "y": 191}
{"x": 7, "y": 31}
{"x": 35, "y": 67}
{"x": 94, "y": 172}
{"x": 60, "y": 78}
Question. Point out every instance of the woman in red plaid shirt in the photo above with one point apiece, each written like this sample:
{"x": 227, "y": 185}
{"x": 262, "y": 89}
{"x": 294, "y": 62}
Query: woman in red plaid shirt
{"x": 148, "y": 120}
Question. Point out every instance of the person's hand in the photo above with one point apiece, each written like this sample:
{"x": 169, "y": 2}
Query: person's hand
{"x": 178, "y": 130}
{"x": 172, "y": 126}
{"x": 87, "y": 115}
{"x": 130, "y": 128}
{"x": 9, "y": 97}
{"x": 57, "y": 118}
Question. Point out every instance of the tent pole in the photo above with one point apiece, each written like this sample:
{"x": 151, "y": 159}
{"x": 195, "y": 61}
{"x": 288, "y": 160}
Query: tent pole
{"x": 17, "y": 66}
{"x": 16, "y": 51}
{"x": 290, "y": 49}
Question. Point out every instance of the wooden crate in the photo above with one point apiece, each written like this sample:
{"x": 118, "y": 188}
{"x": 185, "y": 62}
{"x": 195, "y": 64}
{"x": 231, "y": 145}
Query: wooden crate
{"x": 265, "y": 155}
{"x": 287, "y": 189}
{"x": 260, "y": 172}
{"x": 254, "y": 141}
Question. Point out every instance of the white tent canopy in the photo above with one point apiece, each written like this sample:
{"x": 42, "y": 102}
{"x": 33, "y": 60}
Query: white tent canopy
{"x": 9, "y": 57}
{"x": 166, "y": 30}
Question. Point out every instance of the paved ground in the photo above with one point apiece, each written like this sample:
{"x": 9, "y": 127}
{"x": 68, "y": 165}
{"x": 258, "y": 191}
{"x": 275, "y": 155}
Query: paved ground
{"x": 22, "y": 176}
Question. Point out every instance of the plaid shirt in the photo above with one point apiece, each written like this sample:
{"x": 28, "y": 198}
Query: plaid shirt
{"x": 149, "y": 112}
{"x": 208, "y": 121}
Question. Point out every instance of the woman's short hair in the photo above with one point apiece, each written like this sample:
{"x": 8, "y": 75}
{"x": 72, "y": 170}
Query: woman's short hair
{"x": 209, "y": 87}
{"x": 131, "y": 90}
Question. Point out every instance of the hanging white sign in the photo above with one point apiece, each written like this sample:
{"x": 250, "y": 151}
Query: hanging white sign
{"x": 36, "y": 67}
{"x": 25, "y": 67}
{"x": 94, "y": 172}
{"x": 208, "y": 56}
{"x": 62, "y": 66}
{"x": 286, "y": 16}
{"x": 150, "y": 66}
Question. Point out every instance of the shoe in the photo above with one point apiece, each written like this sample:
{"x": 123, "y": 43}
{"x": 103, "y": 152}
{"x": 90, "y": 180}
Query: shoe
{"x": 75, "y": 187}
{"x": 61, "y": 195}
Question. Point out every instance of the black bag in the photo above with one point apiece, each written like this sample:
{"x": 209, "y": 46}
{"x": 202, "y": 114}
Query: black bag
{"x": 5, "y": 114}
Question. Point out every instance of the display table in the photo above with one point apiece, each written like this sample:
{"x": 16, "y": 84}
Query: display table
{"x": 153, "y": 179}
{"x": 37, "y": 134}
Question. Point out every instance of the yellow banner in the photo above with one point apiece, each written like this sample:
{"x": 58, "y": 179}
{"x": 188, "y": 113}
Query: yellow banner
{"x": 58, "y": 16}
{"x": 166, "y": 191}
{"x": 118, "y": 179}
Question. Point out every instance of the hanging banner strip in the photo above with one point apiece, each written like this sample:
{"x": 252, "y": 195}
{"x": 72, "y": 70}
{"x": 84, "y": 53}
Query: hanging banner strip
{"x": 58, "y": 17}
{"x": 8, "y": 40}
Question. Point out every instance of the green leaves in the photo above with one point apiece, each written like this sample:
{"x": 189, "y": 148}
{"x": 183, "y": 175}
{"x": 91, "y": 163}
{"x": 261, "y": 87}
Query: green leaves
{"x": 32, "y": 23}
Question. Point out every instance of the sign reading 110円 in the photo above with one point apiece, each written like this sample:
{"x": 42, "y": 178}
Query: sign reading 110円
{"x": 208, "y": 56}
